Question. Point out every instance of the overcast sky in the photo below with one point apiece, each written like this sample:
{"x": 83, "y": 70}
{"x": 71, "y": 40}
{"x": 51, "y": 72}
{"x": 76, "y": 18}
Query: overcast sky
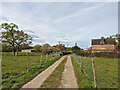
{"x": 65, "y": 22}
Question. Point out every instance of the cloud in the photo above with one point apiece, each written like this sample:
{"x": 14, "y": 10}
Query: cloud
{"x": 59, "y": 1}
{"x": 30, "y": 31}
{"x": 67, "y": 23}
{"x": 79, "y": 12}
{"x": 34, "y": 36}
{"x": 37, "y": 40}
{"x": 3, "y": 19}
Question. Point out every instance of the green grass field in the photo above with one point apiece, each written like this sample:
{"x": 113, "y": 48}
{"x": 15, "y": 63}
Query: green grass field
{"x": 14, "y": 68}
{"x": 18, "y": 64}
{"x": 106, "y": 71}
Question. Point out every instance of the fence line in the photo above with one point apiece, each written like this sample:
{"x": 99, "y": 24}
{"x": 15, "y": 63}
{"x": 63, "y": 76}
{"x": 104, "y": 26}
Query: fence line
{"x": 85, "y": 70}
{"x": 41, "y": 59}
{"x": 85, "y": 65}
{"x": 46, "y": 57}
{"x": 90, "y": 76}
{"x": 28, "y": 64}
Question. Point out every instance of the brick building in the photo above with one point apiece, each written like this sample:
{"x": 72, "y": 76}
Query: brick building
{"x": 103, "y": 45}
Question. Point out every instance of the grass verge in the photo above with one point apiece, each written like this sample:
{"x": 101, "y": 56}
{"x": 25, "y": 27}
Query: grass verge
{"x": 19, "y": 80}
{"x": 82, "y": 78}
{"x": 54, "y": 79}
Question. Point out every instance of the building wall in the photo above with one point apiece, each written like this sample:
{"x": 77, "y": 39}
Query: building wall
{"x": 26, "y": 51}
{"x": 103, "y": 47}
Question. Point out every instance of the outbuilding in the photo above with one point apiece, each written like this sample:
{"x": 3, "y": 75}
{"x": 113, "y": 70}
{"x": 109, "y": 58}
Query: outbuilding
{"x": 28, "y": 50}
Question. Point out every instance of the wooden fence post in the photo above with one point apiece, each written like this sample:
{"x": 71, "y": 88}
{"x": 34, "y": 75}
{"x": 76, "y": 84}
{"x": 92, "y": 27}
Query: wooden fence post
{"x": 78, "y": 59}
{"x": 28, "y": 63}
{"x": 82, "y": 62}
{"x": 41, "y": 59}
{"x": 46, "y": 57}
{"x": 93, "y": 66}
{"x": 50, "y": 55}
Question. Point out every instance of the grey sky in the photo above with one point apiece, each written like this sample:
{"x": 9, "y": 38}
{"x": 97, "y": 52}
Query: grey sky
{"x": 65, "y": 22}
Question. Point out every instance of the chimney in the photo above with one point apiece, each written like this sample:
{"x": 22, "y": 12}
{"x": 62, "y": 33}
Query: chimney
{"x": 102, "y": 37}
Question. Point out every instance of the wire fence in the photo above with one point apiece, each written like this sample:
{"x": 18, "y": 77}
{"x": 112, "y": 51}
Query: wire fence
{"x": 28, "y": 61}
{"x": 105, "y": 78}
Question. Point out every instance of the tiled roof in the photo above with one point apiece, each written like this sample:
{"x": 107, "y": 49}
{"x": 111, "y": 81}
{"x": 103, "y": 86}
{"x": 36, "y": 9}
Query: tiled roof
{"x": 106, "y": 41}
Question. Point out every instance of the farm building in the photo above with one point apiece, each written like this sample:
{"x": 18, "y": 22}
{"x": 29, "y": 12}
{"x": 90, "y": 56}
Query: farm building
{"x": 60, "y": 46}
{"x": 28, "y": 50}
{"x": 86, "y": 50}
{"x": 103, "y": 45}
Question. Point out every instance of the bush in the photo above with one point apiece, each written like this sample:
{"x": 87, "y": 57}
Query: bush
{"x": 99, "y": 54}
{"x": 106, "y": 54}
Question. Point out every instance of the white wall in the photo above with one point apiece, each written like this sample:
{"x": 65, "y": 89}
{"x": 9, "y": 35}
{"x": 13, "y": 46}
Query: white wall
{"x": 26, "y": 51}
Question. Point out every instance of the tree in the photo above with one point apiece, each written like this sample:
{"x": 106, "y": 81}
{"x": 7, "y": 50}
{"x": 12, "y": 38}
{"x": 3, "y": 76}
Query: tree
{"x": 45, "y": 48}
{"x": 37, "y": 47}
{"x": 77, "y": 50}
{"x": 89, "y": 49}
{"x": 9, "y": 35}
{"x": 26, "y": 47}
{"x": 13, "y": 37}
{"x": 6, "y": 48}
{"x": 117, "y": 38}
{"x": 22, "y": 39}
{"x": 61, "y": 47}
{"x": 52, "y": 49}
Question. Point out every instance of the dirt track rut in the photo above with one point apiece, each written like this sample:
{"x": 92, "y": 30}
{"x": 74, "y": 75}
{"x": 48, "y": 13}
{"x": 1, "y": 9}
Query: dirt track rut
{"x": 68, "y": 76}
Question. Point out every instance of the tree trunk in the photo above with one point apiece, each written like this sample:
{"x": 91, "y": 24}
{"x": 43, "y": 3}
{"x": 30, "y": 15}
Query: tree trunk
{"x": 17, "y": 51}
{"x": 13, "y": 51}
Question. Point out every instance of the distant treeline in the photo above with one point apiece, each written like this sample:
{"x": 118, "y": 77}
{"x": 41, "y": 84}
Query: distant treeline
{"x": 7, "y": 48}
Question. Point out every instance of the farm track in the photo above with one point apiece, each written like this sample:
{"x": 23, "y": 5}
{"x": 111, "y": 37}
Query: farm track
{"x": 38, "y": 80}
{"x": 68, "y": 77}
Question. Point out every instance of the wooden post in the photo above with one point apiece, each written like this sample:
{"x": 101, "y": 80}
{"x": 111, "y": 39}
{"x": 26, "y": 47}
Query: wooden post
{"x": 46, "y": 57}
{"x": 50, "y": 55}
{"x": 41, "y": 59}
{"x": 93, "y": 66}
{"x": 28, "y": 63}
{"x": 0, "y": 73}
{"x": 82, "y": 62}
{"x": 78, "y": 59}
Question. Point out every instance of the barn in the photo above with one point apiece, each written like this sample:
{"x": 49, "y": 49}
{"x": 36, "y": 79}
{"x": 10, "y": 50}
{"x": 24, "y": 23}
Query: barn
{"x": 103, "y": 45}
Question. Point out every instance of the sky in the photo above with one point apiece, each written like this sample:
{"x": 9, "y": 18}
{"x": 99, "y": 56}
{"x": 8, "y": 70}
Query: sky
{"x": 64, "y": 22}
